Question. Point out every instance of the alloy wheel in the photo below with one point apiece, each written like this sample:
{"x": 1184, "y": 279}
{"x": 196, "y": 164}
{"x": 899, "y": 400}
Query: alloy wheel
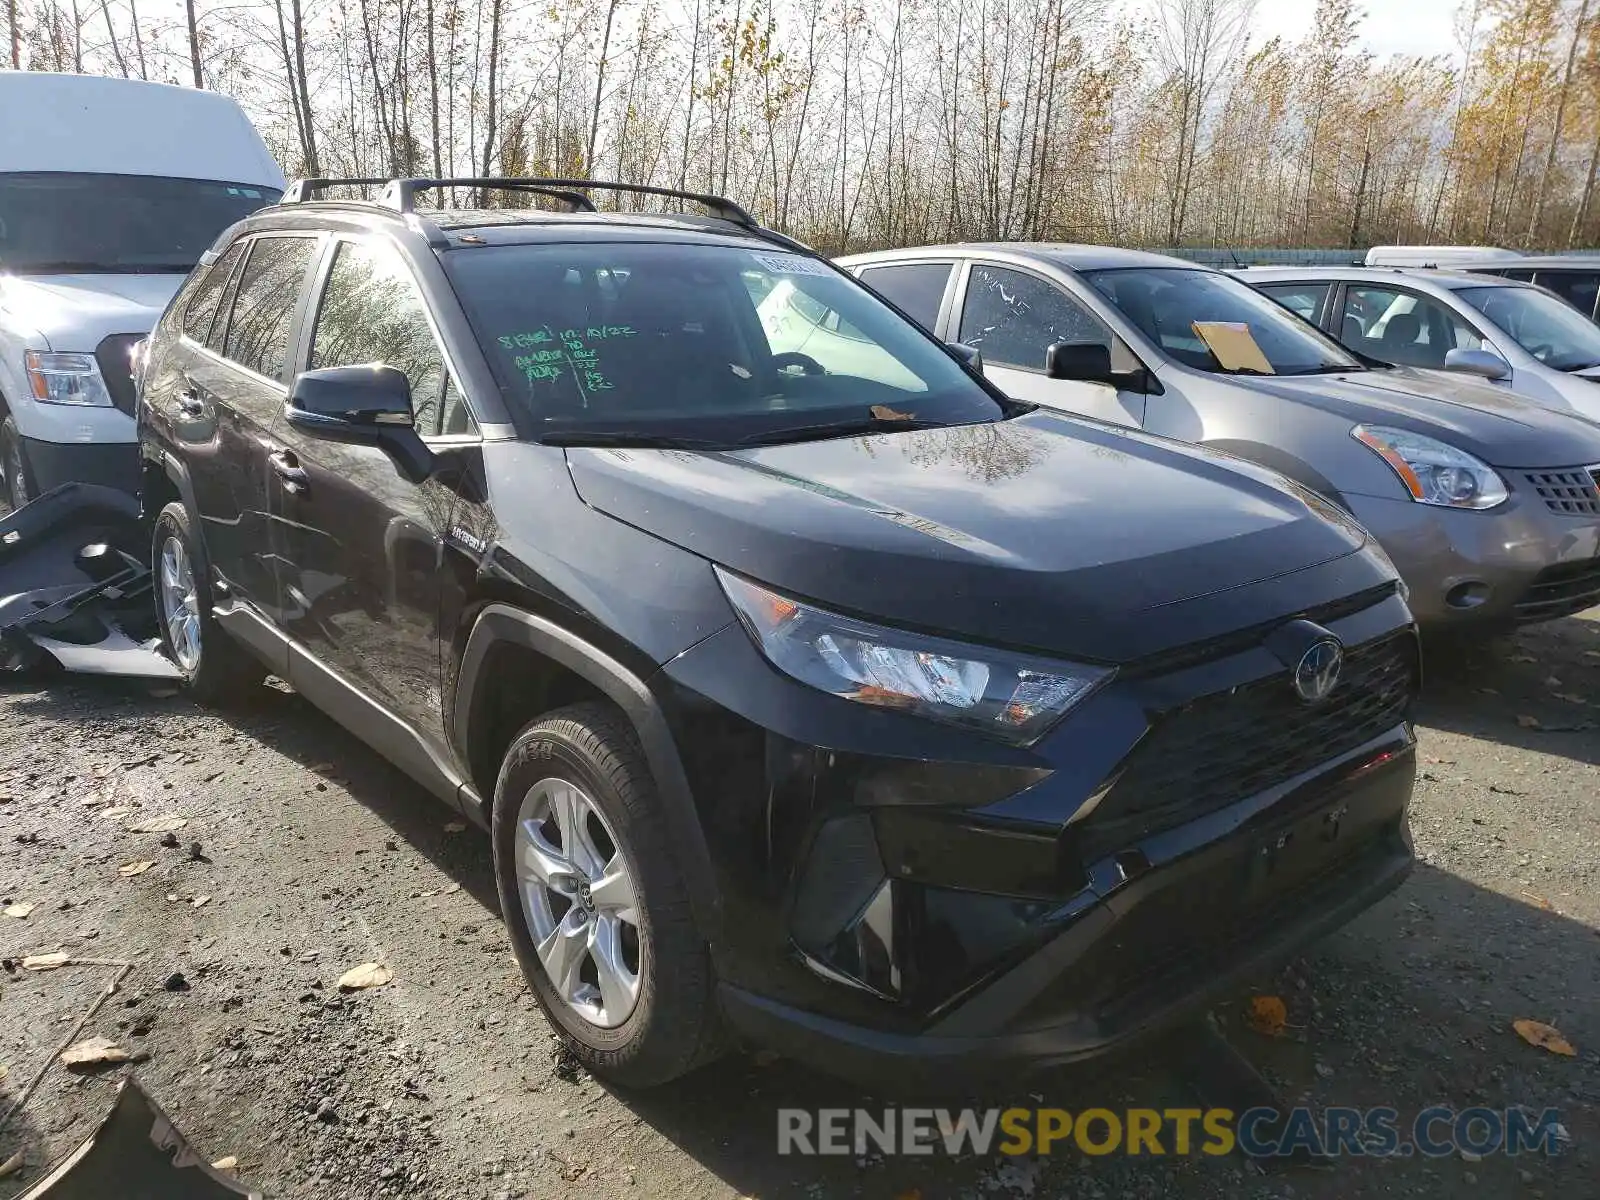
{"x": 578, "y": 899}
{"x": 180, "y": 605}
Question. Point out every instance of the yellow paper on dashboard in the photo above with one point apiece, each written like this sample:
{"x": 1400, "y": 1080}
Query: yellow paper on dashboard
{"x": 1235, "y": 349}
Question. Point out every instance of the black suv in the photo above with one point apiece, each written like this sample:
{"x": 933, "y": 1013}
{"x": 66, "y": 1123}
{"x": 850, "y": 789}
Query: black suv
{"x": 812, "y": 692}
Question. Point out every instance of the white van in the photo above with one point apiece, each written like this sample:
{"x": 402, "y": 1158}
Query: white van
{"x": 110, "y": 190}
{"x": 1439, "y": 256}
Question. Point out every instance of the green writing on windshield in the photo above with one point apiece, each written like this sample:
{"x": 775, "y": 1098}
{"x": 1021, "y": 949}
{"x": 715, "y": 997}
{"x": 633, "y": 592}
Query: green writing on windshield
{"x": 544, "y": 356}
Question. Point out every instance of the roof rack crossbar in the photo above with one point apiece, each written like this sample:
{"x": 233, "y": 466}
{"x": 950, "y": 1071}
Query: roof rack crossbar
{"x": 401, "y": 193}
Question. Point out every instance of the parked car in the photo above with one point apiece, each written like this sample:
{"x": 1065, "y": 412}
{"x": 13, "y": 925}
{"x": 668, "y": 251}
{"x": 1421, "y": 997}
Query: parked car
{"x": 856, "y": 711}
{"x": 110, "y": 190}
{"x": 1439, "y": 256}
{"x": 1489, "y": 505}
{"x": 1519, "y": 336}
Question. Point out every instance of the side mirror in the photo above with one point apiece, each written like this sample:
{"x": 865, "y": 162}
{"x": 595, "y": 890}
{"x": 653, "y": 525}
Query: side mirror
{"x": 1486, "y": 363}
{"x": 353, "y": 404}
{"x": 1087, "y": 362}
{"x": 970, "y": 355}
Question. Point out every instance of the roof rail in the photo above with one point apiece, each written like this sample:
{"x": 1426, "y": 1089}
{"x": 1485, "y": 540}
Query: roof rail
{"x": 302, "y": 190}
{"x": 400, "y": 194}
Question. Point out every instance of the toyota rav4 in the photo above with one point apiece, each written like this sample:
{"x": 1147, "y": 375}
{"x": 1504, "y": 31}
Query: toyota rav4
{"x": 823, "y": 699}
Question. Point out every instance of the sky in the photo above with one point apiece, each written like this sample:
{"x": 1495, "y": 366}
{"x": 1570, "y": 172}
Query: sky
{"x": 1423, "y": 27}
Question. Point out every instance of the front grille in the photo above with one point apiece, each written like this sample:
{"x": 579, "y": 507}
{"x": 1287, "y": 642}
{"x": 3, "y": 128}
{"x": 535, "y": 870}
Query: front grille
{"x": 116, "y": 367}
{"x": 1573, "y": 493}
{"x": 1560, "y": 591}
{"x": 1224, "y": 747}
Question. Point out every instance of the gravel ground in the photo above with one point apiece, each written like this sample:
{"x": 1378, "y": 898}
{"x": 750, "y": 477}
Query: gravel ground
{"x": 316, "y": 856}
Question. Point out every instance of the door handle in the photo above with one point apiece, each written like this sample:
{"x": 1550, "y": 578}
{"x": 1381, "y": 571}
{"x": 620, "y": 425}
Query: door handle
{"x": 287, "y": 468}
{"x": 190, "y": 404}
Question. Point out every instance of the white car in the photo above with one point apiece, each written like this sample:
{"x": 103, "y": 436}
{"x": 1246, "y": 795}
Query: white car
{"x": 110, "y": 191}
{"x": 1521, "y": 337}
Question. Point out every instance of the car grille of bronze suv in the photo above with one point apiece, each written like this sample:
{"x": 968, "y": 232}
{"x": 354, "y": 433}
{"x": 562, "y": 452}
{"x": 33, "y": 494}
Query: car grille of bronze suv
{"x": 1560, "y": 591}
{"x": 1225, "y": 747}
{"x": 1574, "y": 493}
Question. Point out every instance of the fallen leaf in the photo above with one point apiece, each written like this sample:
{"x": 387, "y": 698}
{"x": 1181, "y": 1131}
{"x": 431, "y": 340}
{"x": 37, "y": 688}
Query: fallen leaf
{"x": 4, "y": 1071}
{"x": 451, "y": 890}
{"x": 120, "y": 810}
{"x": 455, "y": 826}
{"x": 200, "y": 901}
{"x": 1546, "y": 1037}
{"x": 1591, "y": 653}
{"x": 159, "y": 825}
{"x": 227, "y": 1164}
{"x": 1267, "y": 1015}
{"x": 45, "y": 962}
{"x": 909, "y": 1194}
{"x": 129, "y": 870}
{"x": 883, "y": 412}
{"x": 1529, "y": 722}
{"x": 11, "y": 1165}
{"x": 1569, "y": 697}
{"x": 367, "y": 975}
{"x": 1523, "y": 658}
{"x": 93, "y": 1052}
{"x": 1538, "y": 901}
{"x": 20, "y": 910}
{"x": 1552, "y": 681}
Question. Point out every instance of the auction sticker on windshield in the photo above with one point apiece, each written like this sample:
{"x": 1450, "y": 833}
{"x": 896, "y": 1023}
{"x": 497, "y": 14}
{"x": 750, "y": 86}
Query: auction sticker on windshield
{"x": 789, "y": 264}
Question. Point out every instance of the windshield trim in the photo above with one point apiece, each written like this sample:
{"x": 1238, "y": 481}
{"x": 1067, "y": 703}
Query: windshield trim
{"x": 1357, "y": 363}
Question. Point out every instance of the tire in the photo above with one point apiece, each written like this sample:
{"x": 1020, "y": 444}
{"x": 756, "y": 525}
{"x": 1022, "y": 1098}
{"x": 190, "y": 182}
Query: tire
{"x": 215, "y": 667}
{"x": 18, "y": 483}
{"x": 672, "y": 1026}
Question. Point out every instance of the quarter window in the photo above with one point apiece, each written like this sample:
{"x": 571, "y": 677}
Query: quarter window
{"x": 1401, "y": 327}
{"x": 916, "y": 288}
{"x": 206, "y": 298}
{"x": 1014, "y": 318}
{"x": 263, "y": 308}
{"x": 371, "y": 313}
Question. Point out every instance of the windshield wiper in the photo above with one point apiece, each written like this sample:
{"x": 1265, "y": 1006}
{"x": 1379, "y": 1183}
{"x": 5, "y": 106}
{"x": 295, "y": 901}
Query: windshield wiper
{"x": 624, "y": 437}
{"x": 847, "y": 428}
{"x": 1328, "y": 369}
{"x": 1579, "y": 366}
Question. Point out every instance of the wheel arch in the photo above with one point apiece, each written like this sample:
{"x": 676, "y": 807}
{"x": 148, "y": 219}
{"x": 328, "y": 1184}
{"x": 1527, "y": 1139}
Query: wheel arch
{"x": 574, "y": 670}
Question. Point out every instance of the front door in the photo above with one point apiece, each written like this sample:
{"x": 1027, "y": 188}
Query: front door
{"x": 224, "y": 401}
{"x": 359, "y": 540}
{"x": 1014, "y": 317}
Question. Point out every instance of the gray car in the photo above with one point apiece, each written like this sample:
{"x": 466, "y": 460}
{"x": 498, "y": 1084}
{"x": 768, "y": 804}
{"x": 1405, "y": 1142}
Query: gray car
{"x": 1522, "y": 337}
{"x": 1489, "y": 505}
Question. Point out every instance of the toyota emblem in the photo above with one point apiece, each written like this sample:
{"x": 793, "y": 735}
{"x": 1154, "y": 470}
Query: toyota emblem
{"x": 1317, "y": 672}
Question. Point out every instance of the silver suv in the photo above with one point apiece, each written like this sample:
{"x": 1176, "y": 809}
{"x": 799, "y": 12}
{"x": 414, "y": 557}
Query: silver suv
{"x": 1489, "y": 505}
{"x": 1522, "y": 337}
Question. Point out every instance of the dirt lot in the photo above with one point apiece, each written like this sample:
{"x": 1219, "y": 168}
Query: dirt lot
{"x": 316, "y": 856}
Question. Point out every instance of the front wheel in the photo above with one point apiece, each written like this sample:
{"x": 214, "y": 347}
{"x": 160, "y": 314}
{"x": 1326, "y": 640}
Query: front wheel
{"x": 16, "y": 487}
{"x": 594, "y": 905}
{"x": 214, "y": 666}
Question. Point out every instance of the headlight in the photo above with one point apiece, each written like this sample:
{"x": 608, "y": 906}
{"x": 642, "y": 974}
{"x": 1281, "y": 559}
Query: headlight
{"x": 66, "y": 379}
{"x": 1008, "y": 696}
{"x": 1433, "y": 471}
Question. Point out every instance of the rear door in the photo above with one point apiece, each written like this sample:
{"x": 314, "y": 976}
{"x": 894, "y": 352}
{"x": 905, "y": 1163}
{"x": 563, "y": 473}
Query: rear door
{"x": 360, "y": 542}
{"x": 228, "y": 396}
{"x": 1014, "y": 316}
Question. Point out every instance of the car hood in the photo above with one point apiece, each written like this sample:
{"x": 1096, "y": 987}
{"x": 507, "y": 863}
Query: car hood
{"x": 1501, "y": 428}
{"x": 1042, "y": 532}
{"x": 74, "y": 312}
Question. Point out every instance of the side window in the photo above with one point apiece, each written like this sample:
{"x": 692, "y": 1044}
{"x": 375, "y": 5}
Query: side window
{"x": 1014, "y": 318}
{"x": 1399, "y": 327}
{"x": 206, "y": 296}
{"x": 1577, "y": 288}
{"x": 1302, "y": 299}
{"x": 263, "y": 307}
{"x": 371, "y": 313}
{"x": 917, "y": 288}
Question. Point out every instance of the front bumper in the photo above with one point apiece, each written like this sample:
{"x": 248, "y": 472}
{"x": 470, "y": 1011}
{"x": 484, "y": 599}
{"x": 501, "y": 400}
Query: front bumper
{"x": 1240, "y": 891}
{"x": 904, "y": 898}
{"x": 110, "y": 464}
{"x": 1513, "y": 565}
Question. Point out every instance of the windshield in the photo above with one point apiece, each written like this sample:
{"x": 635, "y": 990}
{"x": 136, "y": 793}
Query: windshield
{"x": 1547, "y": 328}
{"x": 713, "y": 343}
{"x": 1165, "y": 303}
{"x": 67, "y": 223}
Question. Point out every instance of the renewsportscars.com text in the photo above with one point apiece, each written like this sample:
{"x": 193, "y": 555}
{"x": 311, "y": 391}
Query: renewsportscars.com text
{"x": 1257, "y": 1132}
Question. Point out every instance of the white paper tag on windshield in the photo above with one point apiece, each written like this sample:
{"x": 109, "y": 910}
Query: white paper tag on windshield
{"x": 790, "y": 264}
